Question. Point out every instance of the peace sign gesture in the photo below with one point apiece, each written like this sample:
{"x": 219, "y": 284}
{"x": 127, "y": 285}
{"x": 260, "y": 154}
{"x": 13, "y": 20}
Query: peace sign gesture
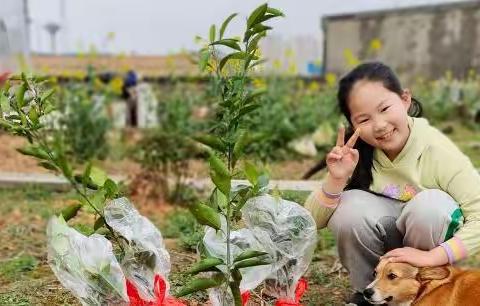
{"x": 343, "y": 158}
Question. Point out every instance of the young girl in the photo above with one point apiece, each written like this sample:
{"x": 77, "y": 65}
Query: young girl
{"x": 398, "y": 187}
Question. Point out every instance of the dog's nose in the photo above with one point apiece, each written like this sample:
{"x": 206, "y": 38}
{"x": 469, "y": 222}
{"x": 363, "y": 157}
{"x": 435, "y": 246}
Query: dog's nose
{"x": 368, "y": 293}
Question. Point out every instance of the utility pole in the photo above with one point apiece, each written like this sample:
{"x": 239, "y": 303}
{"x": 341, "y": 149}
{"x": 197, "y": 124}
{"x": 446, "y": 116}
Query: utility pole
{"x": 28, "y": 21}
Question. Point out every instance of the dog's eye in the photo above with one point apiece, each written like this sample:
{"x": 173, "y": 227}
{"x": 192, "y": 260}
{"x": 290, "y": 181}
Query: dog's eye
{"x": 391, "y": 276}
{"x": 374, "y": 273}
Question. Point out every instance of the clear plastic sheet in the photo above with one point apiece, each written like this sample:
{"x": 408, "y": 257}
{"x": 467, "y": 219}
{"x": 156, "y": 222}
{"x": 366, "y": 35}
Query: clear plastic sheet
{"x": 145, "y": 253}
{"x": 241, "y": 240}
{"x": 288, "y": 233}
{"x": 283, "y": 229}
{"x": 85, "y": 265}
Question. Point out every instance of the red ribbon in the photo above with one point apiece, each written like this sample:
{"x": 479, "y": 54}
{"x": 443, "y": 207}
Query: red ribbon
{"x": 159, "y": 289}
{"x": 299, "y": 291}
{"x": 245, "y": 297}
{"x": 4, "y": 76}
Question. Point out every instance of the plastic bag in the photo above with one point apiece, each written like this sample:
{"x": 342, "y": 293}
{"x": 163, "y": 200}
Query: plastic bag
{"x": 288, "y": 233}
{"x": 145, "y": 253}
{"x": 241, "y": 240}
{"x": 85, "y": 265}
{"x": 283, "y": 229}
{"x": 88, "y": 267}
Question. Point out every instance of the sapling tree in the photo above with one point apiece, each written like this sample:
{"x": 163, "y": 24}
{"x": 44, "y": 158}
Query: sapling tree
{"x": 231, "y": 61}
{"x": 25, "y": 103}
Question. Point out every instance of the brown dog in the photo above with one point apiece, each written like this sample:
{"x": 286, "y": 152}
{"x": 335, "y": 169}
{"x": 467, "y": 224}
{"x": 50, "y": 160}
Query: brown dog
{"x": 403, "y": 284}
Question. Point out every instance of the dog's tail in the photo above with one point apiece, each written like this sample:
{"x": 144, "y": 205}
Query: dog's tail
{"x": 322, "y": 164}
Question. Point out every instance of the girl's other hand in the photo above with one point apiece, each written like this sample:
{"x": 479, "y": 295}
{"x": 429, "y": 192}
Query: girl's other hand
{"x": 343, "y": 158}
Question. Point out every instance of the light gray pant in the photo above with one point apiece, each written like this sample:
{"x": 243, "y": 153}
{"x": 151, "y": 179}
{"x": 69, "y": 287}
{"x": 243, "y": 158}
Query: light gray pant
{"x": 366, "y": 226}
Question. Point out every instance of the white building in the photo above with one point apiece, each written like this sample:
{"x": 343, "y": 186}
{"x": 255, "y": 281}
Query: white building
{"x": 14, "y": 46}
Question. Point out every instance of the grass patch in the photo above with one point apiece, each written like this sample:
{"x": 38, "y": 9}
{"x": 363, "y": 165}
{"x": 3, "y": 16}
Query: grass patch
{"x": 297, "y": 196}
{"x": 13, "y": 299}
{"x": 182, "y": 224}
{"x": 10, "y": 269}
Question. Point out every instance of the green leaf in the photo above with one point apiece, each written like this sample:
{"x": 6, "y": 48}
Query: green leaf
{"x": 253, "y": 262}
{"x": 206, "y": 215}
{"x": 225, "y": 23}
{"x": 48, "y": 165}
{"x": 86, "y": 173}
{"x": 227, "y": 42}
{"x": 256, "y": 15}
{"x": 198, "y": 284}
{"x": 223, "y": 183}
{"x": 235, "y": 55}
{"x": 266, "y": 17}
{"x": 248, "y": 109}
{"x": 99, "y": 223}
{"x": 258, "y": 63}
{"x": 206, "y": 264}
{"x": 5, "y": 124}
{"x": 218, "y": 199}
{"x": 259, "y": 28}
{"x": 48, "y": 108}
{"x": 33, "y": 115}
{"x": 4, "y": 104}
{"x": 249, "y": 254}
{"x": 46, "y": 95}
{"x": 64, "y": 166}
{"x": 240, "y": 146}
{"x": 204, "y": 58}
{"x": 211, "y": 141}
{"x": 70, "y": 211}
{"x": 98, "y": 199}
{"x": 254, "y": 43}
{"x": 244, "y": 199}
{"x": 34, "y": 151}
{"x": 275, "y": 12}
{"x": 251, "y": 173}
{"x": 98, "y": 176}
{"x": 24, "y": 120}
{"x": 111, "y": 188}
{"x": 255, "y": 94}
{"x": 20, "y": 95}
{"x": 212, "y": 33}
{"x": 218, "y": 166}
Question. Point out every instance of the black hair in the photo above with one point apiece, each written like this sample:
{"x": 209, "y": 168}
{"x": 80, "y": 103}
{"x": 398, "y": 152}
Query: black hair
{"x": 375, "y": 72}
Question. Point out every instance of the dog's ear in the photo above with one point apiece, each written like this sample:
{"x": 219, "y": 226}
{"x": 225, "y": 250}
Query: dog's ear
{"x": 432, "y": 273}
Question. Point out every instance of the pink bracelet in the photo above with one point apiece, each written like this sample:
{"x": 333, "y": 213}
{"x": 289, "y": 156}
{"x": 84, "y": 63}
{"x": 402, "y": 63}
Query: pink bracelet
{"x": 331, "y": 195}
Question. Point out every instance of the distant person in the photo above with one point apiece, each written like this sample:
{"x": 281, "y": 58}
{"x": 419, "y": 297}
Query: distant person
{"x": 130, "y": 82}
{"x": 396, "y": 187}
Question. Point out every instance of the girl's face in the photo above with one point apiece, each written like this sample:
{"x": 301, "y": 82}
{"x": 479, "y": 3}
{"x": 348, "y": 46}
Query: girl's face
{"x": 382, "y": 116}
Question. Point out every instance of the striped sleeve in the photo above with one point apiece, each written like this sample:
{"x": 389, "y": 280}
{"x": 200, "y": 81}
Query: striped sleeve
{"x": 460, "y": 179}
{"x": 321, "y": 207}
{"x": 455, "y": 249}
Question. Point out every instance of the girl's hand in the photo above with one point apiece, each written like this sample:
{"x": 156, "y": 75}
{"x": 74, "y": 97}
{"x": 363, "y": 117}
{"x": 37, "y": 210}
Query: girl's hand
{"x": 343, "y": 158}
{"x": 418, "y": 258}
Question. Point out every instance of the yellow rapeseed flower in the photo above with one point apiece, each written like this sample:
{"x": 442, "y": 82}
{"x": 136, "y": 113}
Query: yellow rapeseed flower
{"x": 277, "y": 64}
{"x": 259, "y": 83}
{"x": 331, "y": 79}
{"x": 97, "y": 84}
{"x": 116, "y": 85}
{"x": 350, "y": 58}
{"x": 292, "y": 68}
{"x": 375, "y": 44}
{"x": 289, "y": 52}
{"x": 313, "y": 86}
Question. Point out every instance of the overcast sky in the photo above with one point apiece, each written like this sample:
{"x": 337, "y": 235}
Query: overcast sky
{"x": 162, "y": 26}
